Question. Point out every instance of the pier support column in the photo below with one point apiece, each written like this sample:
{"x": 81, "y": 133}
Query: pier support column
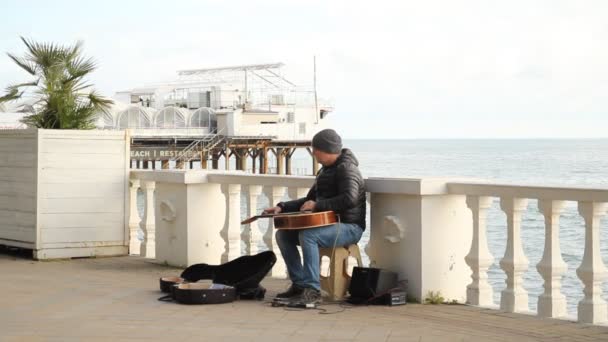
{"x": 215, "y": 161}
{"x": 227, "y": 158}
{"x": 244, "y": 155}
{"x": 264, "y": 161}
{"x": 137, "y": 164}
{"x": 145, "y": 166}
{"x": 254, "y": 155}
{"x": 288, "y": 153}
{"x": 280, "y": 161}
{"x": 237, "y": 159}
{"x": 191, "y": 164}
{"x": 204, "y": 158}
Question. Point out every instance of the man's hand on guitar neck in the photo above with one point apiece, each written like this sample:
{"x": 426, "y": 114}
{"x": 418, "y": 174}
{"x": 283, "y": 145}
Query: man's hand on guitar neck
{"x": 272, "y": 211}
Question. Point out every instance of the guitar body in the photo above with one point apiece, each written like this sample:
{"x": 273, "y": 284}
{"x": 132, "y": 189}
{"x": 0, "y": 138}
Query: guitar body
{"x": 305, "y": 220}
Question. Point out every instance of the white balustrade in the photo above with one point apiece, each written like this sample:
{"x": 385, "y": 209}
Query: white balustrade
{"x": 552, "y": 303}
{"x": 232, "y": 227}
{"x": 592, "y": 272}
{"x": 514, "y": 298}
{"x": 479, "y": 292}
{"x": 148, "y": 224}
{"x": 251, "y": 233}
{"x": 134, "y": 219}
{"x": 421, "y": 228}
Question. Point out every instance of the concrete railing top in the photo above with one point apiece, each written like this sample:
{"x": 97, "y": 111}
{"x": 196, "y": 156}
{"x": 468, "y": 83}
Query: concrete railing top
{"x": 583, "y": 194}
{"x": 407, "y": 186}
{"x": 411, "y": 186}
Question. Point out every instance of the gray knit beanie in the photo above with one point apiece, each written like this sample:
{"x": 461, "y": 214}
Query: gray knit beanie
{"x": 327, "y": 141}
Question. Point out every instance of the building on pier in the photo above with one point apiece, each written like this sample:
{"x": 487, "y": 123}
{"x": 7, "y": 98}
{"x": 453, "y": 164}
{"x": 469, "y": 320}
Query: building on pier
{"x": 246, "y": 112}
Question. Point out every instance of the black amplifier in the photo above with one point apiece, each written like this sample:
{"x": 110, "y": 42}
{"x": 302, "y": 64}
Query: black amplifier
{"x": 368, "y": 282}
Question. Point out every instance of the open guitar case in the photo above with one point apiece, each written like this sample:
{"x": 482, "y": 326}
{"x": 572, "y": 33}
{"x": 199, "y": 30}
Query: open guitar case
{"x": 236, "y": 279}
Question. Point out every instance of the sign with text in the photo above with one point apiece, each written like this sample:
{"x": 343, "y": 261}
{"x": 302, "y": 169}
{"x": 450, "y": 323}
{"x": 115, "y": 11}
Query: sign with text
{"x": 161, "y": 153}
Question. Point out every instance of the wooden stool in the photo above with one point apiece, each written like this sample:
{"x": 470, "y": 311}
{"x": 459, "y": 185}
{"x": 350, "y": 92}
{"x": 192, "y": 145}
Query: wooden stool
{"x": 338, "y": 281}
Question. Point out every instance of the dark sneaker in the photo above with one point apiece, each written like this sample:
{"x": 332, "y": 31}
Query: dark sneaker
{"x": 293, "y": 291}
{"x": 308, "y": 296}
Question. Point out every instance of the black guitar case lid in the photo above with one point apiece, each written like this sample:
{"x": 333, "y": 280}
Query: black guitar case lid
{"x": 244, "y": 273}
{"x": 241, "y": 276}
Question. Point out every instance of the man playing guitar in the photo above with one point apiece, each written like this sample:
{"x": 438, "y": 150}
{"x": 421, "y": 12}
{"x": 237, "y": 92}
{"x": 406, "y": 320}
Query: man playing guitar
{"x": 339, "y": 187}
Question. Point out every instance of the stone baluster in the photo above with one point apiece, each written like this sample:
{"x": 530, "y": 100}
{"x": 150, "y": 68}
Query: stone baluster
{"x": 232, "y": 226}
{"x": 592, "y": 272}
{"x": 279, "y": 270}
{"x": 251, "y": 234}
{"x": 479, "y": 291}
{"x": 148, "y": 223}
{"x": 514, "y": 298}
{"x": 552, "y": 303}
{"x": 134, "y": 219}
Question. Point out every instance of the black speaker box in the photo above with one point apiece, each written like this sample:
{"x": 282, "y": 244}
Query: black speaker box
{"x": 369, "y": 282}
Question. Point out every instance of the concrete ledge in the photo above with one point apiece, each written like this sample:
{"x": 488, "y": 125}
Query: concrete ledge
{"x": 62, "y": 253}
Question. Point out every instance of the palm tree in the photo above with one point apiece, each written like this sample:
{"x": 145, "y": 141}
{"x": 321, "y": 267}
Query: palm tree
{"x": 63, "y": 98}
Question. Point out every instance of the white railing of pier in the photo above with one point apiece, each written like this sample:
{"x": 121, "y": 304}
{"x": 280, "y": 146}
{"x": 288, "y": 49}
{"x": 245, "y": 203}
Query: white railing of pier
{"x": 432, "y": 231}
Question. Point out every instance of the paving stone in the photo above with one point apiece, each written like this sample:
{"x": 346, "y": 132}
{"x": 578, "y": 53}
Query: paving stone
{"x": 115, "y": 299}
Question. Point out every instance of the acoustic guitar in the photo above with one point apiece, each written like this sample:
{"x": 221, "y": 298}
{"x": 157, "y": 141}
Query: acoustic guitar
{"x": 298, "y": 220}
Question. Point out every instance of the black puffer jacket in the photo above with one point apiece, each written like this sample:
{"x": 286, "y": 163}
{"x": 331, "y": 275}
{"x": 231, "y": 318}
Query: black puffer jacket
{"x": 339, "y": 187}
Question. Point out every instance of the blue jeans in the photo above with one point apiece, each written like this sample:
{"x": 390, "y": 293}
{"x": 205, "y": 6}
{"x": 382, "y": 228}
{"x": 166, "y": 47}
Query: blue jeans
{"x": 307, "y": 275}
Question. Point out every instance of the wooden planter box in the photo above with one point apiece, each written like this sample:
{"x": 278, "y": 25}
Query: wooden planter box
{"x": 63, "y": 193}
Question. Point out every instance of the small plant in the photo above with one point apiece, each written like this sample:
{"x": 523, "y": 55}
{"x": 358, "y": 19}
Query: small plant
{"x": 433, "y": 297}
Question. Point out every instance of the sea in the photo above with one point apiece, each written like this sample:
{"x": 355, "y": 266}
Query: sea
{"x": 563, "y": 162}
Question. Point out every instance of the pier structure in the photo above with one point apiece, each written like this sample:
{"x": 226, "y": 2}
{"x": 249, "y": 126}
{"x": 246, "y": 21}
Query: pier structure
{"x": 215, "y": 152}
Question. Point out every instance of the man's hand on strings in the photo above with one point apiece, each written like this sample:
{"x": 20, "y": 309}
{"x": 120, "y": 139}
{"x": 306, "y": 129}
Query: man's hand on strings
{"x": 308, "y": 206}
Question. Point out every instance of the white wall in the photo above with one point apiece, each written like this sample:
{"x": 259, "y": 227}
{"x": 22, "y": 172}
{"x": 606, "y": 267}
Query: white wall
{"x": 284, "y": 130}
{"x": 18, "y": 150}
{"x": 66, "y": 191}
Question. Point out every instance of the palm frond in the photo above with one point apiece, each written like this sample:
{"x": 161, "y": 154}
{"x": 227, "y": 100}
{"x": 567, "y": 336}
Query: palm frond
{"x": 24, "y": 64}
{"x": 61, "y": 88}
{"x": 11, "y": 96}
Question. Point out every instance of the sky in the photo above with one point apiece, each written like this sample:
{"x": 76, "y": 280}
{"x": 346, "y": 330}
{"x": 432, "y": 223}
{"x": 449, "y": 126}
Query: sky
{"x": 393, "y": 69}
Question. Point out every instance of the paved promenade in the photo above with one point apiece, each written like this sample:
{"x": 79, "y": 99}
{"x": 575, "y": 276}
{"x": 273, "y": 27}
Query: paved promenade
{"x": 115, "y": 299}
